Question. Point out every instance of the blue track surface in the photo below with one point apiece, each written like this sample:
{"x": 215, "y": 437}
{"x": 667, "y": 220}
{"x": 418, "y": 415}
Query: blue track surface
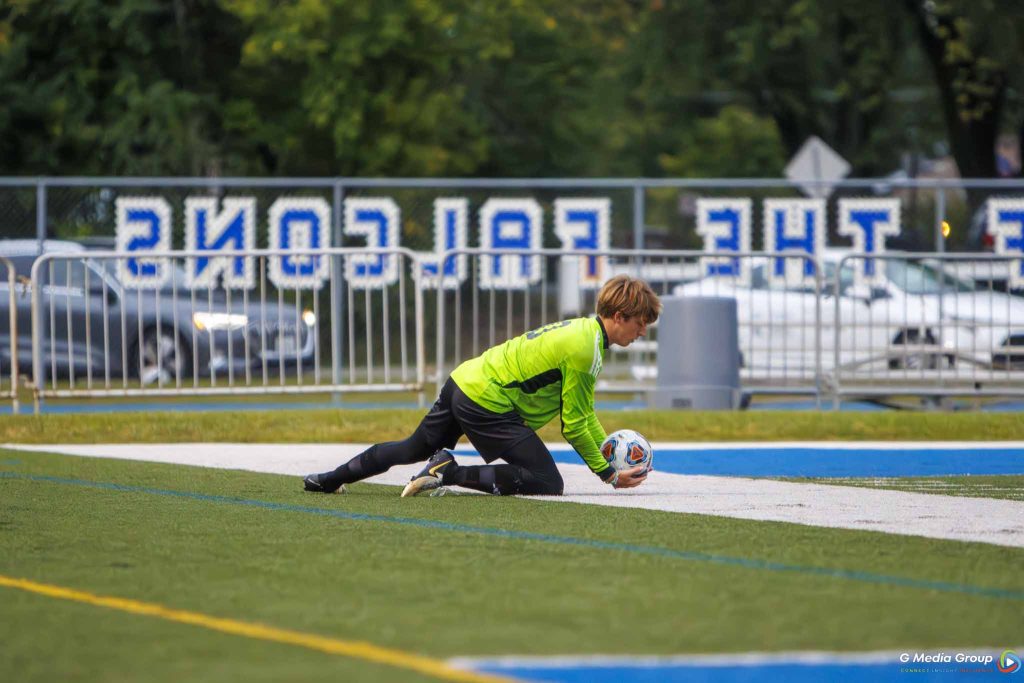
{"x": 824, "y": 462}
{"x": 749, "y": 673}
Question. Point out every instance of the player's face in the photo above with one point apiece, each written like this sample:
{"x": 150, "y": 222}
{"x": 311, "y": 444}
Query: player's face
{"x": 629, "y": 329}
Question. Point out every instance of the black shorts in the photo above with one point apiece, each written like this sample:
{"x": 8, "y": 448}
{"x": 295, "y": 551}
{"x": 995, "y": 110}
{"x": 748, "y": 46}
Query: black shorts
{"x": 454, "y": 414}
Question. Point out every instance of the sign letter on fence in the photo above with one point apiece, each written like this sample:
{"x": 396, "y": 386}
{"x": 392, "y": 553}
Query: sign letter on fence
{"x": 794, "y": 225}
{"x": 299, "y": 223}
{"x": 1006, "y": 224}
{"x": 725, "y": 226}
{"x": 510, "y": 224}
{"x": 869, "y": 222}
{"x": 451, "y": 230}
{"x": 207, "y": 229}
{"x": 143, "y": 224}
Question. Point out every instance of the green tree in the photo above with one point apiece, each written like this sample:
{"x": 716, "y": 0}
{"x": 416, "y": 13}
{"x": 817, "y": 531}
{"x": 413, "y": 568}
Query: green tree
{"x": 736, "y": 143}
{"x": 425, "y": 87}
{"x": 828, "y": 68}
{"x": 353, "y": 87}
{"x": 974, "y": 50}
{"x": 97, "y": 88}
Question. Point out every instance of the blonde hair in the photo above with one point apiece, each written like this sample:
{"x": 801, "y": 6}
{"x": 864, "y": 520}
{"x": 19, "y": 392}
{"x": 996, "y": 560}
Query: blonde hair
{"x": 630, "y": 296}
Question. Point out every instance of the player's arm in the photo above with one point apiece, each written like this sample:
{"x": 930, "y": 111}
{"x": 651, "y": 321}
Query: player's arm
{"x": 594, "y": 427}
{"x": 578, "y": 419}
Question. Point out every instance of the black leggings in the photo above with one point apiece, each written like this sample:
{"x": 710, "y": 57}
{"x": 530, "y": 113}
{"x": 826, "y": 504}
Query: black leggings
{"x": 530, "y": 470}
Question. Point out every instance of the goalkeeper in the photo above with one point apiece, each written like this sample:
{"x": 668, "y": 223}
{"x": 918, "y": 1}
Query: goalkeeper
{"x": 500, "y": 398}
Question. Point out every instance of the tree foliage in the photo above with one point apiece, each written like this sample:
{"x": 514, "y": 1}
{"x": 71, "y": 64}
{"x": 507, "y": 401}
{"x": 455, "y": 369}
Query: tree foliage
{"x": 516, "y": 88}
{"x": 98, "y": 87}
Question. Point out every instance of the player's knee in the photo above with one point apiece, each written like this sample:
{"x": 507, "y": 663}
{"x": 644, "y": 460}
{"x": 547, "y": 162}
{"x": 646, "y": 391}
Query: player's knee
{"x": 416, "y": 448}
{"x": 545, "y": 482}
{"x": 553, "y": 484}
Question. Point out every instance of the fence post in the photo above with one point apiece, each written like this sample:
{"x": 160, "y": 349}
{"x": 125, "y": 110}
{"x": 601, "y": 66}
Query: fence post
{"x": 13, "y": 322}
{"x": 337, "y": 292}
{"x": 638, "y": 217}
{"x": 41, "y": 213}
{"x": 439, "y": 324}
{"x": 836, "y": 322}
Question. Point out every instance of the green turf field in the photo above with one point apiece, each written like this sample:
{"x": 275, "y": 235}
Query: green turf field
{"x": 458, "y": 575}
{"x": 361, "y": 426}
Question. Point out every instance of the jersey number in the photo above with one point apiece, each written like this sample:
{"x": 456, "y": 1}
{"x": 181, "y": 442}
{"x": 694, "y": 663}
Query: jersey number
{"x": 547, "y": 328}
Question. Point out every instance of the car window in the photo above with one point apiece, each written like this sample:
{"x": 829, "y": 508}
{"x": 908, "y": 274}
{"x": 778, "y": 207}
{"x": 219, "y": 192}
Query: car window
{"x": 915, "y": 278}
{"x": 110, "y": 266}
{"x": 845, "y": 278}
{"x": 781, "y": 286}
{"x": 22, "y": 265}
{"x": 67, "y": 273}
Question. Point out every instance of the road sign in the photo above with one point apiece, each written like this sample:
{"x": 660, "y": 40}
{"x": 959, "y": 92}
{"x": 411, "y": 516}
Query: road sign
{"x": 817, "y": 161}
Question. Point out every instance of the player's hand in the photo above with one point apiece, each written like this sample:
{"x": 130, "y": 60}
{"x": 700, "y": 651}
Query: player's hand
{"x": 631, "y": 477}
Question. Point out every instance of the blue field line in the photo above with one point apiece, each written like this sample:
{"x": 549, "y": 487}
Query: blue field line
{"x": 747, "y": 563}
{"x": 824, "y": 462}
{"x": 789, "y": 672}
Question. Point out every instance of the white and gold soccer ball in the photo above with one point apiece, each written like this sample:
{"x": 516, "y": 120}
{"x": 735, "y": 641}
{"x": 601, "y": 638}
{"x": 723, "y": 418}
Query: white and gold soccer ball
{"x": 626, "y": 449}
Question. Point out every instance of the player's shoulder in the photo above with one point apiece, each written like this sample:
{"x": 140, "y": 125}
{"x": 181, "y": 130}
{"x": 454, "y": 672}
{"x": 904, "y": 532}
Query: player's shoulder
{"x": 576, "y": 330}
{"x": 584, "y": 335}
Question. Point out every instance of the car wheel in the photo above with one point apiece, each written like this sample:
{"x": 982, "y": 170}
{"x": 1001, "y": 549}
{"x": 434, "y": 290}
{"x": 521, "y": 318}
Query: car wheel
{"x": 916, "y": 360}
{"x": 160, "y": 357}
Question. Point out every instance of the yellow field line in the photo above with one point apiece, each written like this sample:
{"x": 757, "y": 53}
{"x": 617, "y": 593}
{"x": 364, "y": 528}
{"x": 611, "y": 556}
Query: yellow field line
{"x": 348, "y": 648}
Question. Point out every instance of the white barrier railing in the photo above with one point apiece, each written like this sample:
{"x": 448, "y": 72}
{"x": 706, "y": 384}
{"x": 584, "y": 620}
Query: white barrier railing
{"x": 9, "y": 347}
{"x": 94, "y": 336}
{"x": 926, "y": 327}
{"x": 781, "y": 353}
{"x": 835, "y": 336}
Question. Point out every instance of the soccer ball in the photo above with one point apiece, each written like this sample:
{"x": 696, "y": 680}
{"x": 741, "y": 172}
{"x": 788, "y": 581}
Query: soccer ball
{"x": 626, "y": 449}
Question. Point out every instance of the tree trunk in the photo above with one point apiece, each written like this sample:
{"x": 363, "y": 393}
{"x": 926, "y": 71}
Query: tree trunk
{"x": 972, "y": 114}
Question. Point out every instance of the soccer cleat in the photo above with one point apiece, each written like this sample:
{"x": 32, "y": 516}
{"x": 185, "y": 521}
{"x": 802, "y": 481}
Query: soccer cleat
{"x": 429, "y": 478}
{"x": 313, "y": 483}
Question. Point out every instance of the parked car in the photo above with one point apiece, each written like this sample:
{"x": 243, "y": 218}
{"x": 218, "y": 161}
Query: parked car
{"x": 89, "y": 324}
{"x": 920, "y": 317}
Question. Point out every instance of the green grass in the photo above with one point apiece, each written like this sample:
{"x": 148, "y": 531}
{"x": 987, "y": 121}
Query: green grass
{"x": 443, "y": 591}
{"x": 451, "y": 592}
{"x": 357, "y": 426}
{"x": 1006, "y": 487}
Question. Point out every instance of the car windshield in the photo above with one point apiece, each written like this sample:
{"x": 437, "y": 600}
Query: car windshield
{"x": 912, "y": 278}
{"x": 74, "y": 272}
{"x": 915, "y": 278}
{"x": 759, "y": 280}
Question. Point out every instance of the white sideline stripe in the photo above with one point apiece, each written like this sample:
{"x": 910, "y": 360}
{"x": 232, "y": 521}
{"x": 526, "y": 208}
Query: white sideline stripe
{"x": 958, "y": 518}
{"x": 809, "y": 657}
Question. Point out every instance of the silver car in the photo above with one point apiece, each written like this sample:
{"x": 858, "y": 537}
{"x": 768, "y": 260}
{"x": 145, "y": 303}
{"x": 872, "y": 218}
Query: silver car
{"x": 92, "y": 328}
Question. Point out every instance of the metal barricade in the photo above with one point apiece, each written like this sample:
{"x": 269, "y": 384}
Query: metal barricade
{"x": 925, "y": 327}
{"x": 923, "y": 330}
{"x": 779, "y": 331}
{"x": 9, "y": 346}
{"x": 92, "y": 335}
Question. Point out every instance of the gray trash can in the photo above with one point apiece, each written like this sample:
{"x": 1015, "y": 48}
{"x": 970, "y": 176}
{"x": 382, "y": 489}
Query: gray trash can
{"x": 698, "y": 354}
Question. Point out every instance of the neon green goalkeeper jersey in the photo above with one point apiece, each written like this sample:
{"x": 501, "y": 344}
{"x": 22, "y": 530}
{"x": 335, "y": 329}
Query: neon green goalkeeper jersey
{"x": 546, "y": 371}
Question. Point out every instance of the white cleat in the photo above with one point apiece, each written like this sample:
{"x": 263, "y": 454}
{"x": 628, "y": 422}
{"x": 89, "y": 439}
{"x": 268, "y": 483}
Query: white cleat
{"x": 429, "y": 478}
